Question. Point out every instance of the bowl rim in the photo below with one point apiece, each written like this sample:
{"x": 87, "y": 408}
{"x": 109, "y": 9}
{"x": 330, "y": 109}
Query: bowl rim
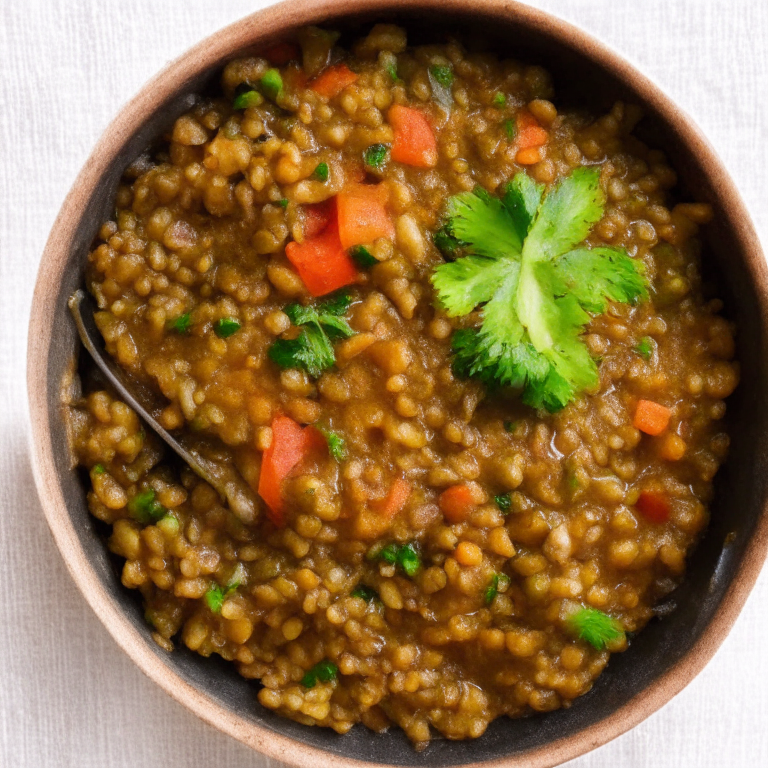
{"x": 254, "y": 29}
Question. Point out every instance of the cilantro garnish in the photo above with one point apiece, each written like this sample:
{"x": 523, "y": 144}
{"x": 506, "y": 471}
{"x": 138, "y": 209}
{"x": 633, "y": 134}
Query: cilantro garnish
{"x": 441, "y": 80}
{"x": 215, "y": 596}
{"x": 645, "y": 347}
{"x": 443, "y": 75}
{"x": 224, "y": 327}
{"x": 337, "y": 446}
{"x": 446, "y": 243}
{"x": 180, "y": 324}
{"x": 271, "y": 84}
{"x": 312, "y": 349}
{"x": 324, "y": 671}
{"x": 145, "y": 508}
{"x": 404, "y": 556}
{"x": 363, "y": 256}
{"x": 499, "y": 583}
{"x": 247, "y": 96}
{"x": 536, "y": 287}
{"x": 595, "y": 627}
{"x": 503, "y": 502}
{"x": 365, "y": 592}
{"x": 389, "y": 62}
{"x": 376, "y": 155}
{"x": 321, "y": 172}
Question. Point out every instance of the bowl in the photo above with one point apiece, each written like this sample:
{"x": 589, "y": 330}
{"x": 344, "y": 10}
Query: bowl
{"x": 698, "y": 615}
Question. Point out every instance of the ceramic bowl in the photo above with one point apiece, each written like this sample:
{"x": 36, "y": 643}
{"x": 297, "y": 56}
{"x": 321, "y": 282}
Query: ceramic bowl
{"x": 670, "y": 651}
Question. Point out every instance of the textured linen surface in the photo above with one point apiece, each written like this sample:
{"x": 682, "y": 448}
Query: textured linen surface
{"x": 68, "y": 696}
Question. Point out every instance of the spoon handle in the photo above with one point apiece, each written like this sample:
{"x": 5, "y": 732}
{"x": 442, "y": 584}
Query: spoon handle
{"x": 222, "y": 476}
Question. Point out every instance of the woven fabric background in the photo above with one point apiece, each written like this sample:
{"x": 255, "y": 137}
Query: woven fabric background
{"x": 69, "y": 698}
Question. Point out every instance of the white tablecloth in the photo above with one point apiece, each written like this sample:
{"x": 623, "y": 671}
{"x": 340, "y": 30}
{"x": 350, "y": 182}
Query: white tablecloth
{"x": 68, "y": 695}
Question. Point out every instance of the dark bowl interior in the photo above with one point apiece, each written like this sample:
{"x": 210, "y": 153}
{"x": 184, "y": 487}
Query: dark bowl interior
{"x": 741, "y": 483}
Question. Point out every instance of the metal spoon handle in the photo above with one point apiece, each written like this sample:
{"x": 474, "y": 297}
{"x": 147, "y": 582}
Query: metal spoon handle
{"x": 224, "y": 478}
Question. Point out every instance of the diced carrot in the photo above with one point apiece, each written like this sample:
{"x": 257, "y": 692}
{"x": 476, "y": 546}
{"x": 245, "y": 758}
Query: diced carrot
{"x": 651, "y": 418}
{"x": 528, "y": 156}
{"x": 653, "y": 506}
{"x": 281, "y": 53}
{"x": 321, "y": 261}
{"x": 288, "y": 448}
{"x": 529, "y": 132}
{"x": 395, "y": 500}
{"x": 457, "y": 503}
{"x": 414, "y": 141}
{"x": 362, "y": 215}
{"x": 333, "y": 81}
{"x": 316, "y": 218}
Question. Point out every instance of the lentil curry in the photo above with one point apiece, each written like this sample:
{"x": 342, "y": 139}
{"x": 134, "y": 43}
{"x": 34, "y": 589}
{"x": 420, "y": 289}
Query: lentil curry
{"x": 327, "y": 270}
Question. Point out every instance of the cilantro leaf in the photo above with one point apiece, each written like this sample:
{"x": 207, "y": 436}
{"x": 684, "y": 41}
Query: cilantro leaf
{"x": 465, "y": 283}
{"x": 484, "y": 223}
{"x": 566, "y": 215}
{"x": 338, "y": 304}
{"x": 145, "y": 508}
{"x": 365, "y": 592}
{"x": 595, "y": 627}
{"x": 324, "y": 671}
{"x": 312, "y": 349}
{"x": 645, "y": 347}
{"x": 337, "y": 446}
{"x": 535, "y": 289}
{"x": 522, "y": 199}
{"x": 595, "y": 276}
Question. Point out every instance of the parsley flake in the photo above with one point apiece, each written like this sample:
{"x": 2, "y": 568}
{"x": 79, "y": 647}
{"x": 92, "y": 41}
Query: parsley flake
{"x": 180, "y": 324}
{"x": 536, "y": 287}
{"x": 499, "y": 100}
{"x": 145, "y": 508}
{"x": 247, "y": 96}
{"x": 503, "y": 502}
{"x": 595, "y": 627}
{"x": 499, "y": 583}
{"x": 363, "y": 256}
{"x": 337, "y": 446}
{"x": 645, "y": 347}
{"x": 324, "y": 671}
{"x": 224, "y": 327}
{"x": 376, "y": 155}
{"x": 321, "y": 172}
{"x": 404, "y": 556}
{"x": 365, "y": 592}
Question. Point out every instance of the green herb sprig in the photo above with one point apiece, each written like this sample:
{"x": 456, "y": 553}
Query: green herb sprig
{"x": 403, "y": 556}
{"x": 321, "y": 324}
{"x": 537, "y": 288}
{"x": 145, "y": 507}
{"x": 225, "y": 327}
{"x": 595, "y": 627}
{"x": 499, "y": 583}
{"x": 324, "y": 671}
